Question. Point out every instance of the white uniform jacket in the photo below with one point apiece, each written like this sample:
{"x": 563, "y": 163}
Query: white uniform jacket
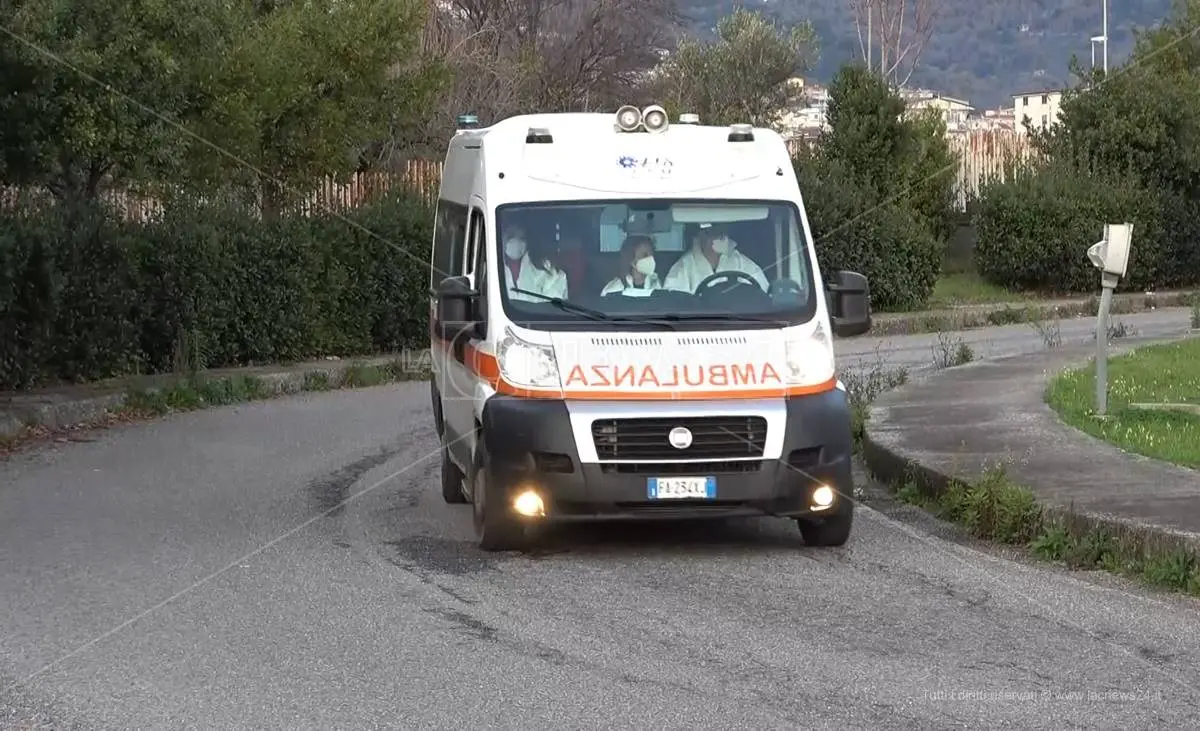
{"x": 693, "y": 268}
{"x": 620, "y": 284}
{"x": 551, "y": 283}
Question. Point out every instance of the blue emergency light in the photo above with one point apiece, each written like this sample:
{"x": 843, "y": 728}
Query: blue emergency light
{"x": 467, "y": 120}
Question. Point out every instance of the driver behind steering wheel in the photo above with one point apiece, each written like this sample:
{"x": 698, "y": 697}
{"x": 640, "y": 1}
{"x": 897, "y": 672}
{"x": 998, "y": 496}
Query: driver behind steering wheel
{"x": 712, "y": 251}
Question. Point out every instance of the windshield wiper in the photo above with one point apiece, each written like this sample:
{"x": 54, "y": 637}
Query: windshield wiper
{"x": 591, "y": 314}
{"x": 564, "y": 305}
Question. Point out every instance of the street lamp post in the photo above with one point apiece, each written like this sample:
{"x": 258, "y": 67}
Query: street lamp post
{"x": 1105, "y": 34}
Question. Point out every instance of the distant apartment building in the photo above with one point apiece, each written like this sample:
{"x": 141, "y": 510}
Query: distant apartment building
{"x": 1003, "y": 120}
{"x": 806, "y": 122}
{"x": 955, "y": 112}
{"x": 1036, "y": 109}
{"x": 806, "y": 119}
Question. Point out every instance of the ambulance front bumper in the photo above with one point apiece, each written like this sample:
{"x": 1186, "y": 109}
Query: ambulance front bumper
{"x": 532, "y": 445}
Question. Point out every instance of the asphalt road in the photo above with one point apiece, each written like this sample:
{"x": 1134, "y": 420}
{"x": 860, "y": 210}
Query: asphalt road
{"x": 198, "y": 572}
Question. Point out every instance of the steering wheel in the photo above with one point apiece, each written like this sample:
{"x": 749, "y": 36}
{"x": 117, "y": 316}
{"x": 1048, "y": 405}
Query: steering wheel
{"x": 785, "y": 291}
{"x": 734, "y": 277}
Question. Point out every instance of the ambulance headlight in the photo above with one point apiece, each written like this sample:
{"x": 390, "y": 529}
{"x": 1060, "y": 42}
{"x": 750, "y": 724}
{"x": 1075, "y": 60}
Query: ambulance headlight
{"x": 810, "y": 358}
{"x": 527, "y": 364}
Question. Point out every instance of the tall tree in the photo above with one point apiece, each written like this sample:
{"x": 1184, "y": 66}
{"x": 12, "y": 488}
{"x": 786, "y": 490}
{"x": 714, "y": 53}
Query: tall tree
{"x": 893, "y": 156}
{"x": 515, "y": 56}
{"x": 307, "y": 87}
{"x": 93, "y": 90}
{"x": 892, "y": 34}
{"x": 1143, "y": 118}
{"x": 741, "y": 76}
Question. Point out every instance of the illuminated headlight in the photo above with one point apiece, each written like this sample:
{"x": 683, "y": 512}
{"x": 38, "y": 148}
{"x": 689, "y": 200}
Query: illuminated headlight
{"x": 527, "y": 364}
{"x": 810, "y": 358}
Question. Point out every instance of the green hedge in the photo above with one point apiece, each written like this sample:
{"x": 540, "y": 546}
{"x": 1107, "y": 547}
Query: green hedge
{"x": 1034, "y": 231}
{"x": 887, "y": 241}
{"x": 84, "y": 296}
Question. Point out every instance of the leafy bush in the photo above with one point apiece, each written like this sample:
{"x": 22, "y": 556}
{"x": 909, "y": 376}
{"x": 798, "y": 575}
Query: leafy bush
{"x": 1034, "y": 231}
{"x": 1115, "y": 155}
{"x": 879, "y": 190}
{"x": 887, "y": 242}
{"x": 84, "y": 296}
{"x": 904, "y": 158}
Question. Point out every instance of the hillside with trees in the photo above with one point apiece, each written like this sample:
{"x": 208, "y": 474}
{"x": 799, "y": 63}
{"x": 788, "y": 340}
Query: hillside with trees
{"x": 983, "y": 50}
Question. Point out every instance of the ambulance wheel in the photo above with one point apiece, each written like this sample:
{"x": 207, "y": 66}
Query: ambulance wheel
{"x": 437, "y": 407}
{"x": 497, "y": 528}
{"x": 832, "y": 530}
{"x": 452, "y": 479}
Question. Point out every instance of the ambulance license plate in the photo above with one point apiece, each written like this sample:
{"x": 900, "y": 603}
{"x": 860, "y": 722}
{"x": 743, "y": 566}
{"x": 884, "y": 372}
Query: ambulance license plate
{"x": 676, "y": 488}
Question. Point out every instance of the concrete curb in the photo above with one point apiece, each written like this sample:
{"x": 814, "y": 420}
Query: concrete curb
{"x": 896, "y": 469}
{"x": 77, "y": 408}
{"x": 973, "y": 317}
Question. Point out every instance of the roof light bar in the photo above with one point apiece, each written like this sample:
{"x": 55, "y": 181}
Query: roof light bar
{"x": 741, "y": 133}
{"x": 689, "y": 118}
{"x": 538, "y": 136}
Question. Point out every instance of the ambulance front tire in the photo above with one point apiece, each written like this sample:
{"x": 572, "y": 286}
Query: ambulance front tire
{"x": 452, "y": 476}
{"x": 436, "y": 404}
{"x": 832, "y": 530}
{"x": 452, "y": 479}
{"x": 496, "y": 528}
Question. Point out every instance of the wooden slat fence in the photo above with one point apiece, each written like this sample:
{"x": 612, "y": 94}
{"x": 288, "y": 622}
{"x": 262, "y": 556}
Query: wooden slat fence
{"x": 418, "y": 177}
{"x": 983, "y": 155}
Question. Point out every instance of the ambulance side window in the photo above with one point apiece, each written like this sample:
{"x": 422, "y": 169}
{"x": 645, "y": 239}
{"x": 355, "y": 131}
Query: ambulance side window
{"x": 450, "y": 241}
{"x": 479, "y": 260}
{"x": 476, "y": 241}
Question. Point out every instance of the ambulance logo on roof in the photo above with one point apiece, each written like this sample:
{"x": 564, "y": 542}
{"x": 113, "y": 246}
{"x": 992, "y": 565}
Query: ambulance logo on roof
{"x": 646, "y": 166}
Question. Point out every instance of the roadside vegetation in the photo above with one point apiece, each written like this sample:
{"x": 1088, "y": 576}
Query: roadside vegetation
{"x": 863, "y": 385}
{"x": 996, "y": 508}
{"x": 202, "y": 390}
{"x": 1153, "y": 402}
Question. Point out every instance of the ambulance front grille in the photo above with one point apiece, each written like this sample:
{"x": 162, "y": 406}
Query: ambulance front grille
{"x": 713, "y": 437}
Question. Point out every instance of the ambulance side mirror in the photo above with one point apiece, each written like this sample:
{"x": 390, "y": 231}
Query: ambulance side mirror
{"x": 456, "y": 307}
{"x": 849, "y": 304}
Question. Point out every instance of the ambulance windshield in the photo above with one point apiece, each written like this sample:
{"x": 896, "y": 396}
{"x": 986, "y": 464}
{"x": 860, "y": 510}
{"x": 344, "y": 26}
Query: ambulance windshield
{"x": 694, "y": 263}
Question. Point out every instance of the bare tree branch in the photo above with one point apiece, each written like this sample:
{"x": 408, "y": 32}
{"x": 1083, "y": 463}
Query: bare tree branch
{"x": 899, "y": 29}
{"x": 514, "y": 56}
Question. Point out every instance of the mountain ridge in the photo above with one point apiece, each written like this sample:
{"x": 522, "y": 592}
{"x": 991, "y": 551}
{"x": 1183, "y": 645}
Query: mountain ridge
{"x": 984, "y": 51}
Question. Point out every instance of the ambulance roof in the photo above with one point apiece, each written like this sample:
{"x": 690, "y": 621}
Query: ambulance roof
{"x": 542, "y": 155}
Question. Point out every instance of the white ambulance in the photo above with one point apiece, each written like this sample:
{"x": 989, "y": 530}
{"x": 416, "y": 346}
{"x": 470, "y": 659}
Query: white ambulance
{"x": 628, "y": 322}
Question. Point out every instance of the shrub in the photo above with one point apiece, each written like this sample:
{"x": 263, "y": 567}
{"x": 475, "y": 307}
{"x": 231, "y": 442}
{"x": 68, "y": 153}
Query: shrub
{"x": 1034, "y": 231}
{"x": 902, "y": 158}
{"x": 1181, "y": 229}
{"x": 887, "y": 242}
{"x": 84, "y": 296}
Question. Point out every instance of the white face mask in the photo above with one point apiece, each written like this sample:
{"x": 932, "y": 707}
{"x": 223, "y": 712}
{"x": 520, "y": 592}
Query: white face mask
{"x": 721, "y": 245}
{"x": 514, "y": 248}
{"x": 645, "y": 265}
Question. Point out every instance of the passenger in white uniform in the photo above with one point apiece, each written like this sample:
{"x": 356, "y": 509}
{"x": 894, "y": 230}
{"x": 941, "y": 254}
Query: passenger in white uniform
{"x": 531, "y": 268}
{"x": 636, "y": 267}
{"x": 712, "y": 251}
